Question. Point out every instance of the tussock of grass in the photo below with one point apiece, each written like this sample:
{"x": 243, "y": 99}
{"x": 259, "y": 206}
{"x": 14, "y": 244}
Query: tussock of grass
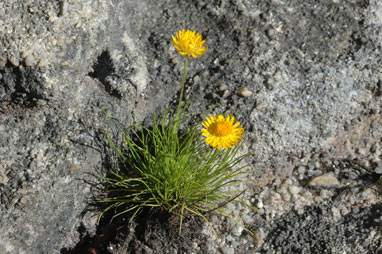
{"x": 163, "y": 168}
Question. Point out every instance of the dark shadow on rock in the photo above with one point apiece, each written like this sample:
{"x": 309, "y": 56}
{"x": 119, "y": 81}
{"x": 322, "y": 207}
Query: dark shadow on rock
{"x": 20, "y": 85}
{"x": 103, "y": 69}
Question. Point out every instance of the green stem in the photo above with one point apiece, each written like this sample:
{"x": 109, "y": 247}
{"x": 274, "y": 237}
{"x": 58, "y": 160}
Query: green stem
{"x": 182, "y": 89}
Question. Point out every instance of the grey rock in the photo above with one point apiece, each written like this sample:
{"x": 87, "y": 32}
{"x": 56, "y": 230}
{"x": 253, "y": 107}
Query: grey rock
{"x": 314, "y": 68}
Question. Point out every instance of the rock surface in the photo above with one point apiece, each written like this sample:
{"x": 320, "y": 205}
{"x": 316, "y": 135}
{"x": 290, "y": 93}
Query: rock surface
{"x": 314, "y": 71}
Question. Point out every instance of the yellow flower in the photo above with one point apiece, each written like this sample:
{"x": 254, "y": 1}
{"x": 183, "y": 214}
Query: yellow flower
{"x": 189, "y": 43}
{"x": 221, "y": 132}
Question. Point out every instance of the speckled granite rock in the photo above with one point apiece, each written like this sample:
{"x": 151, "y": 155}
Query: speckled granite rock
{"x": 313, "y": 69}
{"x": 50, "y": 116}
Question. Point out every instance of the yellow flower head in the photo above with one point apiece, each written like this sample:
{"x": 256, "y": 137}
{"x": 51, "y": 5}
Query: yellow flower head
{"x": 189, "y": 43}
{"x": 221, "y": 132}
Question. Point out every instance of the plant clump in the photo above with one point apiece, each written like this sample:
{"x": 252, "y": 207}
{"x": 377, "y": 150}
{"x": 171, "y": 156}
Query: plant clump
{"x": 176, "y": 170}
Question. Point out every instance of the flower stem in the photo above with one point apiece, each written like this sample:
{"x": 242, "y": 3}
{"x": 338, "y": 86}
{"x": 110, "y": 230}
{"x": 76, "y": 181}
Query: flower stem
{"x": 182, "y": 89}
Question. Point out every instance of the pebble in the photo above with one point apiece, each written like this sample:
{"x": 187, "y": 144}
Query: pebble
{"x": 248, "y": 219}
{"x": 280, "y": 208}
{"x": 270, "y": 83}
{"x": 214, "y": 220}
{"x": 310, "y": 172}
{"x": 261, "y": 106}
{"x": 223, "y": 87}
{"x": 286, "y": 196}
{"x": 42, "y": 63}
{"x": 196, "y": 80}
{"x": 276, "y": 197}
{"x": 378, "y": 170}
{"x": 235, "y": 244}
{"x": 307, "y": 195}
{"x": 230, "y": 238}
{"x": 267, "y": 202}
{"x": 362, "y": 151}
{"x": 335, "y": 212}
{"x": 294, "y": 189}
{"x": 174, "y": 60}
{"x": 225, "y": 94}
{"x": 283, "y": 190}
{"x": 24, "y": 200}
{"x": 15, "y": 62}
{"x": 277, "y": 182}
{"x": 351, "y": 200}
{"x": 26, "y": 53}
{"x": 40, "y": 102}
{"x": 301, "y": 169}
{"x": 367, "y": 195}
{"x": 260, "y": 204}
{"x": 228, "y": 250}
{"x": 324, "y": 194}
{"x": 298, "y": 204}
{"x": 353, "y": 175}
{"x": 283, "y": 187}
{"x": 30, "y": 61}
{"x": 259, "y": 236}
{"x": 326, "y": 180}
{"x": 295, "y": 197}
{"x": 270, "y": 33}
{"x": 244, "y": 92}
{"x": 78, "y": 25}
{"x": 344, "y": 211}
{"x": 237, "y": 230}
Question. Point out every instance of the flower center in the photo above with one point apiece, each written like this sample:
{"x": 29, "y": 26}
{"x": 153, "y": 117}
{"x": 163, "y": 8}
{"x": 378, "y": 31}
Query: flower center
{"x": 190, "y": 45}
{"x": 220, "y": 129}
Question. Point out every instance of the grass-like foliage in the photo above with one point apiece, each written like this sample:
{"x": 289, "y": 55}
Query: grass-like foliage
{"x": 176, "y": 171}
{"x": 168, "y": 168}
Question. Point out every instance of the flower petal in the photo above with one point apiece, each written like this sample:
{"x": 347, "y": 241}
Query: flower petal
{"x": 222, "y": 132}
{"x": 189, "y": 43}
